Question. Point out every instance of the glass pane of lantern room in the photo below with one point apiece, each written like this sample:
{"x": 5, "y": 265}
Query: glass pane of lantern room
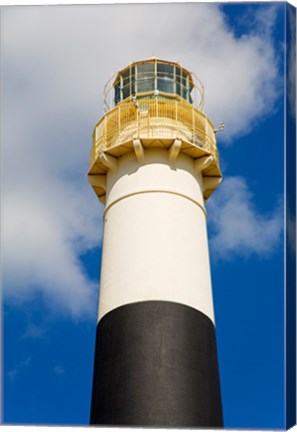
{"x": 117, "y": 93}
{"x": 145, "y": 77}
{"x": 126, "y": 82}
{"x": 133, "y": 79}
{"x": 184, "y": 92}
{"x": 126, "y": 91}
{"x": 165, "y": 85}
{"x": 126, "y": 74}
{"x": 146, "y": 70}
{"x": 164, "y": 69}
{"x": 165, "y": 74}
{"x": 184, "y": 75}
{"x": 145, "y": 85}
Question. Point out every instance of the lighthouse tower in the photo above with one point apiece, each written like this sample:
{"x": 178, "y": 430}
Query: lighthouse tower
{"x": 154, "y": 163}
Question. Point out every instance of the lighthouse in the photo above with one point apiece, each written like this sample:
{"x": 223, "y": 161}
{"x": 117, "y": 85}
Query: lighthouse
{"x": 154, "y": 163}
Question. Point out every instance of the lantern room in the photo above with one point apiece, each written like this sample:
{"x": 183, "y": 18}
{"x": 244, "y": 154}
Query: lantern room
{"x": 151, "y": 78}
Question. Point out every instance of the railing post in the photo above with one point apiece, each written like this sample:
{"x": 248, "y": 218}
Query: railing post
{"x": 157, "y": 112}
{"x": 148, "y": 117}
{"x": 138, "y": 120}
{"x": 176, "y": 128}
{"x": 105, "y": 131}
{"x": 119, "y": 119}
{"x": 96, "y": 139}
{"x": 206, "y": 134}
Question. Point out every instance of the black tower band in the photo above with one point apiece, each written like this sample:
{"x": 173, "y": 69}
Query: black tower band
{"x": 156, "y": 366}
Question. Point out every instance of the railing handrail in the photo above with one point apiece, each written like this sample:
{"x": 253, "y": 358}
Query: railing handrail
{"x": 166, "y": 96}
{"x": 180, "y": 115}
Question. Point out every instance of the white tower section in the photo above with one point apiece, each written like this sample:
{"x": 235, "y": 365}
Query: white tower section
{"x": 155, "y": 241}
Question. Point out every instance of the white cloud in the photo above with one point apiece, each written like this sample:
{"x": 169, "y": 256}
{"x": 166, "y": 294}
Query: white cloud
{"x": 55, "y": 62}
{"x": 12, "y": 373}
{"x": 33, "y": 332}
{"x": 26, "y": 362}
{"x": 59, "y": 370}
{"x": 239, "y": 229}
{"x": 42, "y": 239}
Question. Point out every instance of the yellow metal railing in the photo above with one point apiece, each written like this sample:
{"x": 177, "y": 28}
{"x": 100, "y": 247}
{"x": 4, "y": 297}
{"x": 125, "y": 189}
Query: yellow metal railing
{"x": 153, "y": 118}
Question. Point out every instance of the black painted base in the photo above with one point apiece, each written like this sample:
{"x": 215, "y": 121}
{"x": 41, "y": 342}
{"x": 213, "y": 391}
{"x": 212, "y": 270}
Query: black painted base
{"x": 156, "y": 365}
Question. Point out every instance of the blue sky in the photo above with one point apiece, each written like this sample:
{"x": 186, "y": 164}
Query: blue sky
{"x": 55, "y": 63}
